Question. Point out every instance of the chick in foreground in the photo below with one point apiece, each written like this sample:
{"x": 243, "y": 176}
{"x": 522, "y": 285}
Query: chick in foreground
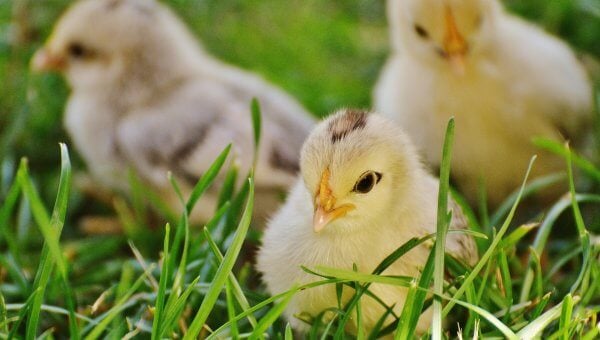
{"x": 362, "y": 193}
{"x": 503, "y": 79}
{"x": 146, "y": 96}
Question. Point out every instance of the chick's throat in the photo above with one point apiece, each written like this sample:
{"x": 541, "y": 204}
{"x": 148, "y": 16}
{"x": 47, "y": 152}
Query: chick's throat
{"x": 325, "y": 209}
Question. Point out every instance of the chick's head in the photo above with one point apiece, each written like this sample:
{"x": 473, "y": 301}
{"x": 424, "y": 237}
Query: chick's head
{"x": 103, "y": 42}
{"x": 357, "y": 167}
{"x": 444, "y": 33}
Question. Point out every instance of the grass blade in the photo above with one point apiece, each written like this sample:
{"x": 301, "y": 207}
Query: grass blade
{"x": 125, "y": 282}
{"x": 508, "y": 333}
{"x": 543, "y": 233}
{"x": 559, "y": 149}
{"x": 237, "y": 289}
{"x": 256, "y": 122}
{"x": 443, "y": 221}
{"x": 584, "y": 236}
{"x": 349, "y": 275}
{"x": 162, "y": 287}
{"x": 203, "y": 184}
{"x": 22, "y": 312}
{"x": 535, "y": 327}
{"x": 506, "y": 279}
{"x": 3, "y": 315}
{"x": 565, "y": 317}
{"x": 224, "y": 269}
{"x": 516, "y": 235}
{"x": 41, "y": 216}
{"x": 492, "y": 247}
{"x": 51, "y": 229}
{"x": 266, "y": 302}
{"x": 107, "y": 317}
{"x": 228, "y": 187}
{"x": 414, "y": 302}
{"x": 288, "y": 332}
{"x": 388, "y": 261}
{"x": 8, "y": 205}
{"x": 207, "y": 179}
{"x": 235, "y": 334}
{"x": 535, "y": 185}
{"x": 268, "y": 319}
{"x": 174, "y": 310}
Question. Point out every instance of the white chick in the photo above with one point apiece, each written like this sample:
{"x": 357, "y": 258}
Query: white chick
{"x": 362, "y": 193}
{"x": 146, "y": 96}
{"x": 503, "y": 79}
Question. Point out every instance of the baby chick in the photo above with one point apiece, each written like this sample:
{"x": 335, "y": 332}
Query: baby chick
{"x": 362, "y": 193}
{"x": 146, "y": 96}
{"x": 503, "y": 79}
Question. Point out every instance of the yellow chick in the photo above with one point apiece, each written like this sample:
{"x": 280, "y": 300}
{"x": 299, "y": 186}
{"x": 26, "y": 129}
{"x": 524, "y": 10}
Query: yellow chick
{"x": 503, "y": 79}
{"x": 146, "y": 96}
{"x": 361, "y": 194}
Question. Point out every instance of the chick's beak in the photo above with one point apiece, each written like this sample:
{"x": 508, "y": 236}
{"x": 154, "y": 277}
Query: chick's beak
{"x": 455, "y": 45}
{"x": 43, "y": 61}
{"x": 325, "y": 209}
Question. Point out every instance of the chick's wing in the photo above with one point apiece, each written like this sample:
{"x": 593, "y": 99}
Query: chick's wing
{"x": 183, "y": 132}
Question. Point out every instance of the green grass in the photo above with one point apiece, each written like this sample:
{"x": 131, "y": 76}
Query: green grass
{"x": 540, "y": 278}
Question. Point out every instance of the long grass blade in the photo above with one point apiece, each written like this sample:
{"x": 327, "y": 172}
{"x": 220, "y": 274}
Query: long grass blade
{"x": 559, "y": 149}
{"x": 107, "y": 317}
{"x": 207, "y": 178}
{"x": 22, "y": 312}
{"x": 492, "y": 247}
{"x": 203, "y": 184}
{"x": 584, "y": 236}
{"x": 3, "y": 315}
{"x": 268, "y": 319}
{"x": 414, "y": 302}
{"x": 235, "y": 333}
{"x": 162, "y": 287}
{"x": 388, "y": 261}
{"x": 41, "y": 216}
{"x": 6, "y": 210}
{"x": 266, "y": 302}
{"x": 565, "y": 317}
{"x": 235, "y": 285}
{"x": 535, "y": 185}
{"x": 443, "y": 221}
{"x": 256, "y": 122}
{"x": 51, "y": 229}
{"x": 224, "y": 269}
{"x": 508, "y": 333}
{"x": 543, "y": 233}
{"x": 535, "y": 327}
{"x": 173, "y": 311}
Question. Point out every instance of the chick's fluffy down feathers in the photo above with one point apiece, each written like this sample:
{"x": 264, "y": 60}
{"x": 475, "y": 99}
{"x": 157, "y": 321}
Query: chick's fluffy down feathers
{"x": 146, "y": 96}
{"x": 401, "y": 206}
{"x": 518, "y": 82}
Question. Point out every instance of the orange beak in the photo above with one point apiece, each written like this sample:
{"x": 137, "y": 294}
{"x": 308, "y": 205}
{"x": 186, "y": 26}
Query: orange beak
{"x": 44, "y": 61}
{"x": 455, "y": 45}
{"x": 325, "y": 209}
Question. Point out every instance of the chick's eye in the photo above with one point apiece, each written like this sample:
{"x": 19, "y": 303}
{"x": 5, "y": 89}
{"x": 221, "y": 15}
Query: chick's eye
{"x": 366, "y": 182}
{"x": 76, "y": 50}
{"x": 421, "y": 32}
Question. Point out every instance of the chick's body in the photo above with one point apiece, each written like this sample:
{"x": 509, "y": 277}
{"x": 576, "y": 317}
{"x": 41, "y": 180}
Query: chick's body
{"x": 401, "y": 204}
{"x": 146, "y": 96}
{"x": 515, "y": 83}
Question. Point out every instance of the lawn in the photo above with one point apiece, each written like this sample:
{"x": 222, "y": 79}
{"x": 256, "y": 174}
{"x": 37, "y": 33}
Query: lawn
{"x": 58, "y": 281}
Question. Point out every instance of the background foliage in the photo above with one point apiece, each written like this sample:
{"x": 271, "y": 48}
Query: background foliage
{"x": 325, "y": 53}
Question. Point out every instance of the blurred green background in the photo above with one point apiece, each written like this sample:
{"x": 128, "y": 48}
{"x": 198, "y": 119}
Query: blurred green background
{"x": 325, "y": 53}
